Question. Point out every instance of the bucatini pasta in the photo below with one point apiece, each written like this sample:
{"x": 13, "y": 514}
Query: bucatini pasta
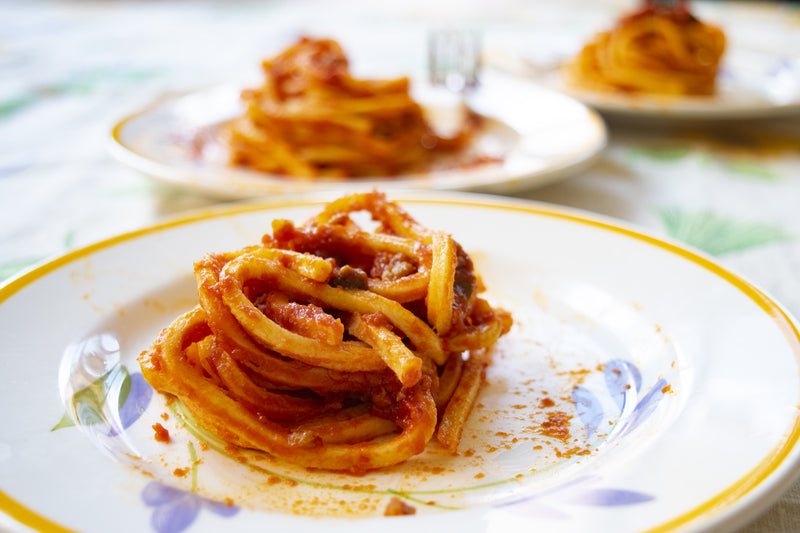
{"x": 656, "y": 50}
{"x": 312, "y": 118}
{"x": 331, "y": 346}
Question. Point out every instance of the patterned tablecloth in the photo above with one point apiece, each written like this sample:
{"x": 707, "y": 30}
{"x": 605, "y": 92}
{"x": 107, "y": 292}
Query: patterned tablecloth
{"x": 68, "y": 68}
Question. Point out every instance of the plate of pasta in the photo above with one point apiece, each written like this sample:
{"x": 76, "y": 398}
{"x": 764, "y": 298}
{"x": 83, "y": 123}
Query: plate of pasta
{"x": 663, "y": 60}
{"x": 347, "y": 363}
{"x": 311, "y": 125}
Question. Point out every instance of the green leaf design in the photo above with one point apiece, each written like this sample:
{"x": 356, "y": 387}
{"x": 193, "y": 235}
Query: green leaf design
{"x": 125, "y": 387}
{"x": 89, "y": 80}
{"x": 65, "y": 422}
{"x": 88, "y": 403}
{"x": 716, "y": 234}
{"x": 10, "y": 268}
{"x": 83, "y": 82}
{"x": 752, "y": 170}
{"x": 69, "y": 239}
{"x": 17, "y": 103}
{"x": 195, "y": 462}
{"x": 661, "y": 153}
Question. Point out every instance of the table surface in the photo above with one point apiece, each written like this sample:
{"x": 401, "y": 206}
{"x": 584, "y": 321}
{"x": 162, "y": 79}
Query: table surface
{"x": 67, "y": 69}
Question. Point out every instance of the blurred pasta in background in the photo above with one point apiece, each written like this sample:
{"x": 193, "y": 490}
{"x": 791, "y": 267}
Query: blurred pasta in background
{"x": 311, "y": 118}
{"x": 659, "y": 49}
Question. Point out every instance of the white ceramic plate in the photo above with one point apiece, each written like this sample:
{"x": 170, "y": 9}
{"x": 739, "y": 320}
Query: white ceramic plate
{"x": 751, "y": 84}
{"x": 540, "y": 135}
{"x": 679, "y": 382}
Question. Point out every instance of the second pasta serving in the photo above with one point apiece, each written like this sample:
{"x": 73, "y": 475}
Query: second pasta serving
{"x": 312, "y": 118}
{"x": 658, "y": 49}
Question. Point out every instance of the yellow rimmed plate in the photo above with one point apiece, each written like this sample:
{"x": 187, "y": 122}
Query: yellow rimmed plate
{"x": 679, "y": 381}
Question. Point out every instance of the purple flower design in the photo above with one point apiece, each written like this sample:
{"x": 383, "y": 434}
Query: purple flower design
{"x": 646, "y": 406}
{"x": 620, "y": 376}
{"x": 137, "y": 401}
{"x": 555, "y": 503}
{"x": 589, "y": 409}
{"x": 139, "y": 393}
{"x": 176, "y": 509}
{"x": 610, "y": 497}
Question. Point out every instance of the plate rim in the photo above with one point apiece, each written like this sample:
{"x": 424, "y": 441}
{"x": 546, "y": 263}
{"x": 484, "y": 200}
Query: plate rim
{"x": 771, "y": 476}
{"x": 678, "y": 107}
{"x": 659, "y": 108}
{"x": 277, "y": 184}
{"x": 638, "y": 105}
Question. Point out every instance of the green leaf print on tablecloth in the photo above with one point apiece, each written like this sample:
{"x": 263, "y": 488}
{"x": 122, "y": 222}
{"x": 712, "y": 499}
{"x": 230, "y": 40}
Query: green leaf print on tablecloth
{"x": 82, "y": 83}
{"x": 9, "y": 268}
{"x": 751, "y": 169}
{"x": 16, "y": 103}
{"x": 717, "y": 234}
{"x": 661, "y": 153}
{"x": 738, "y": 154}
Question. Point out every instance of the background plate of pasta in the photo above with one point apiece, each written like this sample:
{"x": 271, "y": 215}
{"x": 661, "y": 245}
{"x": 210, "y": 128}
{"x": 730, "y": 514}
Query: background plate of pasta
{"x": 472, "y": 363}
{"x": 312, "y": 125}
{"x": 690, "y": 60}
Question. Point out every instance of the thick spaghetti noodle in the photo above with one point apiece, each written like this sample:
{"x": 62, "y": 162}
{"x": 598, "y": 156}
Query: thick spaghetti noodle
{"x": 657, "y": 50}
{"x": 330, "y": 346}
{"x": 312, "y": 118}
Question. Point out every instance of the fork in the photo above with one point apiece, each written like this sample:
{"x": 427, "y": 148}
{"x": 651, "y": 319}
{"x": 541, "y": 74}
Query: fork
{"x": 454, "y": 59}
